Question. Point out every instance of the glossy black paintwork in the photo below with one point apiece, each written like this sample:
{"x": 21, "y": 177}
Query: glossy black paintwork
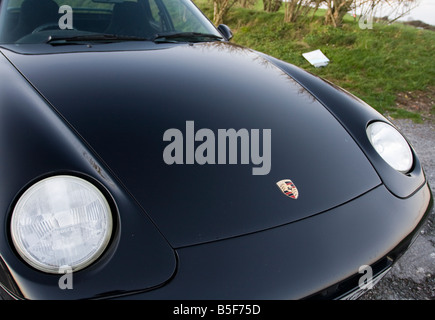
{"x": 123, "y": 110}
{"x": 299, "y": 259}
{"x": 36, "y": 142}
{"x": 101, "y": 112}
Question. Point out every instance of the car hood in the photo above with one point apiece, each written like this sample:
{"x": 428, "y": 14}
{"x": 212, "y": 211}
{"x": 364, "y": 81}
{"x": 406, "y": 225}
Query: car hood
{"x": 123, "y": 102}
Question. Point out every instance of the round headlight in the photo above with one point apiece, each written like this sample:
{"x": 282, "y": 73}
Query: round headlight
{"x": 61, "y": 222}
{"x": 390, "y": 145}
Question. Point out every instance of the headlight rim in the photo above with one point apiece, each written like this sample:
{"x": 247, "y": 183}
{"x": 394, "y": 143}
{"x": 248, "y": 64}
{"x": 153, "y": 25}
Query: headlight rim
{"x": 413, "y": 156}
{"x": 108, "y": 243}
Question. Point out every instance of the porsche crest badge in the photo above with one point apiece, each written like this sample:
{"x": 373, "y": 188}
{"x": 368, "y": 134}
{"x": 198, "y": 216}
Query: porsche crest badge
{"x": 288, "y": 188}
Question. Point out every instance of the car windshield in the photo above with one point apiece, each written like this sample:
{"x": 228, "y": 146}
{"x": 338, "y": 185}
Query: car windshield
{"x": 70, "y": 21}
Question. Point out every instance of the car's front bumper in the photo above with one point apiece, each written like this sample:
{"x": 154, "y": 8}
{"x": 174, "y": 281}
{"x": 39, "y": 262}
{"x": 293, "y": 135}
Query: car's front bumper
{"x": 317, "y": 257}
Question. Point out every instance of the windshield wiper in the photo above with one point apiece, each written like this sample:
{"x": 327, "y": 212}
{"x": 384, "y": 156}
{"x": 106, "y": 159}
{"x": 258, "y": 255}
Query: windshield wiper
{"x": 160, "y": 37}
{"x": 185, "y": 36}
{"x": 93, "y": 37}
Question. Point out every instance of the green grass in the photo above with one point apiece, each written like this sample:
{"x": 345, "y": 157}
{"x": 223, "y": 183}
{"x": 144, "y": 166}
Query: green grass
{"x": 374, "y": 64}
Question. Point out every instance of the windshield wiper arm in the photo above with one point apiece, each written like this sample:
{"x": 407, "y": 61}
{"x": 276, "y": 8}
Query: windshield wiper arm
{"x": 160, "y": 37}
{"x": 93, "y": 37}
{"x": 185, "y": 36}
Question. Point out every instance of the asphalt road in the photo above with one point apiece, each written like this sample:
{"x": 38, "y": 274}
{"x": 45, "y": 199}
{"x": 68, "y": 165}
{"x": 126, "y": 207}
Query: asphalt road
{"x": 413, "y": 276}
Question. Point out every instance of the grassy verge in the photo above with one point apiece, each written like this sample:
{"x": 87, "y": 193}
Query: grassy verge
{"x": 375, "y": 64}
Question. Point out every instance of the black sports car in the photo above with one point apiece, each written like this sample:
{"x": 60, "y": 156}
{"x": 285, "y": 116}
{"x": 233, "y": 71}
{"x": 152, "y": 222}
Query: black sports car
{"x": 144, "y": 156}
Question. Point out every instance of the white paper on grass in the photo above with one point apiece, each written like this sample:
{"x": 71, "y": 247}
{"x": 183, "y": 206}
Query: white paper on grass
{"x": 316, "y": 58}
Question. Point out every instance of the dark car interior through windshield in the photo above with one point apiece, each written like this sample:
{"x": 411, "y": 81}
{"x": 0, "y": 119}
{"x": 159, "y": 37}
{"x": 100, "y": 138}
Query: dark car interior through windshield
{"x": 33, "y": 21}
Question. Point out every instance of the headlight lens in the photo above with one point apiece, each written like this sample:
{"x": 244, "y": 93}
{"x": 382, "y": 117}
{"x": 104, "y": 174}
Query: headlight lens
{"x": 61, "y": 222}
{"x": 391, "y": 146}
